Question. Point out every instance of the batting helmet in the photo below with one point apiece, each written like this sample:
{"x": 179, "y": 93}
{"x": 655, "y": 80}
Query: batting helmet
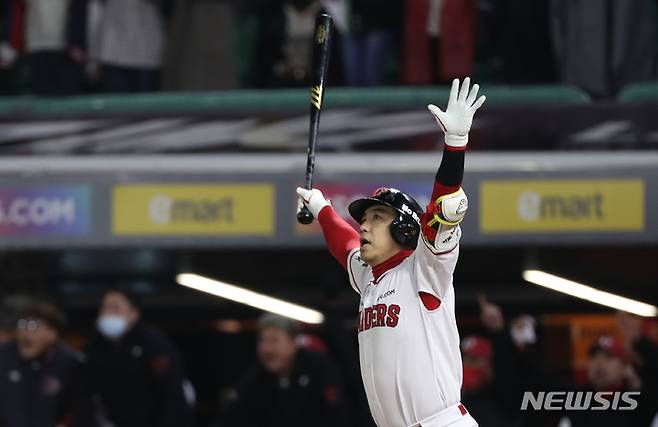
{"x": 405, "y": 229}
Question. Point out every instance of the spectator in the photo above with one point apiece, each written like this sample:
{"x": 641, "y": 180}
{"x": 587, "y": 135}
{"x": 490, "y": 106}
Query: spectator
{"x": 491, "y": 384}
{"x": 478, "y": 374}
{"x": 439, "y": 40}
{"x": 608, "y": 369}
{"x": 7, "y": 324}
{"x": 290, "y": 386}
{"x": 285, "y": 43}
{"x": 131, "y": 44}
{"x": 52, "y": 34}
{"x": 601, "y": 46}
{"x": 135, "y": 372}
{"x": 519, "y": 33}
{"x": 192, "y": 63}
{"x": 41, "y": 379}
{"x": 7, "y": 51}
{"x": 369, "y": 41}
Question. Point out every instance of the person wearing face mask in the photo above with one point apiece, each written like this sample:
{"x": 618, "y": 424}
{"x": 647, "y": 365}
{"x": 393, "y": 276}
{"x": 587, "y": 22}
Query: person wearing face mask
{"x": 136, "y": 374}
{"x": 42, "y": 381}
{"x": 290, "y": 386}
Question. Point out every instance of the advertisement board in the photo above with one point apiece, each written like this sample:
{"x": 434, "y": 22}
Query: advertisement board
{"x": 193, "y": 209}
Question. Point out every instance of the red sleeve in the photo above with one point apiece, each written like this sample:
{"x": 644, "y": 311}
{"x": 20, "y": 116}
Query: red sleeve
{"x": 341, "y": 238}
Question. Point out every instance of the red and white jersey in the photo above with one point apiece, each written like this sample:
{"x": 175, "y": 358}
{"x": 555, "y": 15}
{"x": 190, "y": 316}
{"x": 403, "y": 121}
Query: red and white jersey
{"x": 410, "y": 358}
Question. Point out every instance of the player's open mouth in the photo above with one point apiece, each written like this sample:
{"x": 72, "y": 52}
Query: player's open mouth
{"x": 364, "y": 242}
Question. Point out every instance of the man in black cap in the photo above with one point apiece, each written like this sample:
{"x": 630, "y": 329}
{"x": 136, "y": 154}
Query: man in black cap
{"x": 41, "y": 379}
{"x": 290, "y": 386}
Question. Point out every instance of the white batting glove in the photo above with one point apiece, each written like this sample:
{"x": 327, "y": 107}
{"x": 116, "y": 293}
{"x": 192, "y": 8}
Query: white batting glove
{"x": 457, "y": 119}
{"x": 313, "y": 199}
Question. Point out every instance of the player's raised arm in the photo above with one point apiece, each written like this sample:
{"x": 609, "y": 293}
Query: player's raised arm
{"x": 449, "y": 203}
{"x": 341, "y": 238}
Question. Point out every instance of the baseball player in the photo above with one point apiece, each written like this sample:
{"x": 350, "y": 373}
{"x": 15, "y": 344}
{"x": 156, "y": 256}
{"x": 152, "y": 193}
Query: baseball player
{"x": 401, "y": 263}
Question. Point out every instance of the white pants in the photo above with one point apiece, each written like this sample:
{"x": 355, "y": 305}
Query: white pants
{"x": 453, "y": 416}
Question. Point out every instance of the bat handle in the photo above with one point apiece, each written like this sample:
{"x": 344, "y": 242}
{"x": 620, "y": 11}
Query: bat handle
{"x": 304, "y": 215}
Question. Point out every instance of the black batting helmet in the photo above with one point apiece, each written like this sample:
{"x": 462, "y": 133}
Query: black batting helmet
{"x": 405, "y": 229}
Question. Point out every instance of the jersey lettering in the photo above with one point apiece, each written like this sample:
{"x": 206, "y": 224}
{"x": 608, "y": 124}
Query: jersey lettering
{"x": 379, "y": 315}
{"x": 393, "y": 315}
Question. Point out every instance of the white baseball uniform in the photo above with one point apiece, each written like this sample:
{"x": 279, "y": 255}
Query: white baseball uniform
{"x": 410, "y": 357}
{"x": 408, "y": 340}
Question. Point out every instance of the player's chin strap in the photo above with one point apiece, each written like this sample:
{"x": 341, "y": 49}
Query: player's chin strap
{"x": 450, "y": 208}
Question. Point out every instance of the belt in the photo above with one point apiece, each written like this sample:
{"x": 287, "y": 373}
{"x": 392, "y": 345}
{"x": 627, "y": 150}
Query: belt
{"x": 444, "y": 417}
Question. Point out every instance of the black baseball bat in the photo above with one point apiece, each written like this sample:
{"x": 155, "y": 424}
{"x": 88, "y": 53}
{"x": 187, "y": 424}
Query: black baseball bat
{"x": 321, "y": 50}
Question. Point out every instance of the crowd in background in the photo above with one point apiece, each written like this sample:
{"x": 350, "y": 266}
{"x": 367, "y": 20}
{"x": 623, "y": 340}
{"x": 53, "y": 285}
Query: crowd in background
{"x": 68, "y": 47}
{"x": 128, "y": 373}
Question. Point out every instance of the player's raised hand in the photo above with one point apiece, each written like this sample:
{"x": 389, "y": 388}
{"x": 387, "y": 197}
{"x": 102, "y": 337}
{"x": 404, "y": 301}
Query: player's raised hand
{"x": 457, "y": 119}
{"x": 313, "y": 199}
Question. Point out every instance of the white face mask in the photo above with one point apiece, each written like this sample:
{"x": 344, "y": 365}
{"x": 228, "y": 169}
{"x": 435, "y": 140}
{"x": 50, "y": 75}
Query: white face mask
{"x": 523, "y": 330}
{"x": 112, "y": 326}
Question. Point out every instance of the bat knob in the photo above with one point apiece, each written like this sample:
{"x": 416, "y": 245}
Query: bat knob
{"x": 304, "y": 216}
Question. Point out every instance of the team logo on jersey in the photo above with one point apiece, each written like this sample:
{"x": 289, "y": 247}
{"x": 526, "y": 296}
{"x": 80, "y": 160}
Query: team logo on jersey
{"x": 379, "y": 315}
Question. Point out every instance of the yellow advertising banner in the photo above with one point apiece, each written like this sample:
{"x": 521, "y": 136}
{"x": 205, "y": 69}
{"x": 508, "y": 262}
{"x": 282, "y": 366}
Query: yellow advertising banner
{"x": 510, "y": 206}
{"x": 193, "y": 209}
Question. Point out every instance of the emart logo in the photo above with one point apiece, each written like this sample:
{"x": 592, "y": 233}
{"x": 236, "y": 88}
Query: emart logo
{"x": 509, "y": 206}
{"x": 165, "y": 210}
{"x": 535, "y": 207}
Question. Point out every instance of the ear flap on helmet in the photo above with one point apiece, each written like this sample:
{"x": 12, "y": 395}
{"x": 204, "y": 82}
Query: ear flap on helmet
{"x": 405, "y": 232}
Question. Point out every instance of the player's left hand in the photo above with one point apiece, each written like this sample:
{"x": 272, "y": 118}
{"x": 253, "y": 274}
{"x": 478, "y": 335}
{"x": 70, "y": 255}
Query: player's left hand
{"x": 457, "y": 119}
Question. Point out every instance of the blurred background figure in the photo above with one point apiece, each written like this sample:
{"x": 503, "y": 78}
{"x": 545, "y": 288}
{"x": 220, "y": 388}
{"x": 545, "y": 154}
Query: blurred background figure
{"x": 42, "y": 381}
{"x": 626, "y": 364}
{"x": 290, "y": 386}
{"x": 7, "y": 324}
{"x": 370, "y": 43}
{"x": 602, "y": 46}
{"x": 52, "y": 36}
{"x": 491, "y": 382}
{"x": 439, "y": 41}
{"x": 609, "y": 369}
{"x": 131, "y": 38}
{"x": 136, "y": 374}
{"x": 285, "y": 42}
{"x": 7, "y": 50}
{"x": 208, "y": 41}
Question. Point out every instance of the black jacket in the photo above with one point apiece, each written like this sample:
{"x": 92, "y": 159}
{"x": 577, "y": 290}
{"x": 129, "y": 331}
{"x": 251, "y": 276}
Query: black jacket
{"x": 312, "y": 395}
{"x": 43, "y": 392}
{"x": 138, "y": 380}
